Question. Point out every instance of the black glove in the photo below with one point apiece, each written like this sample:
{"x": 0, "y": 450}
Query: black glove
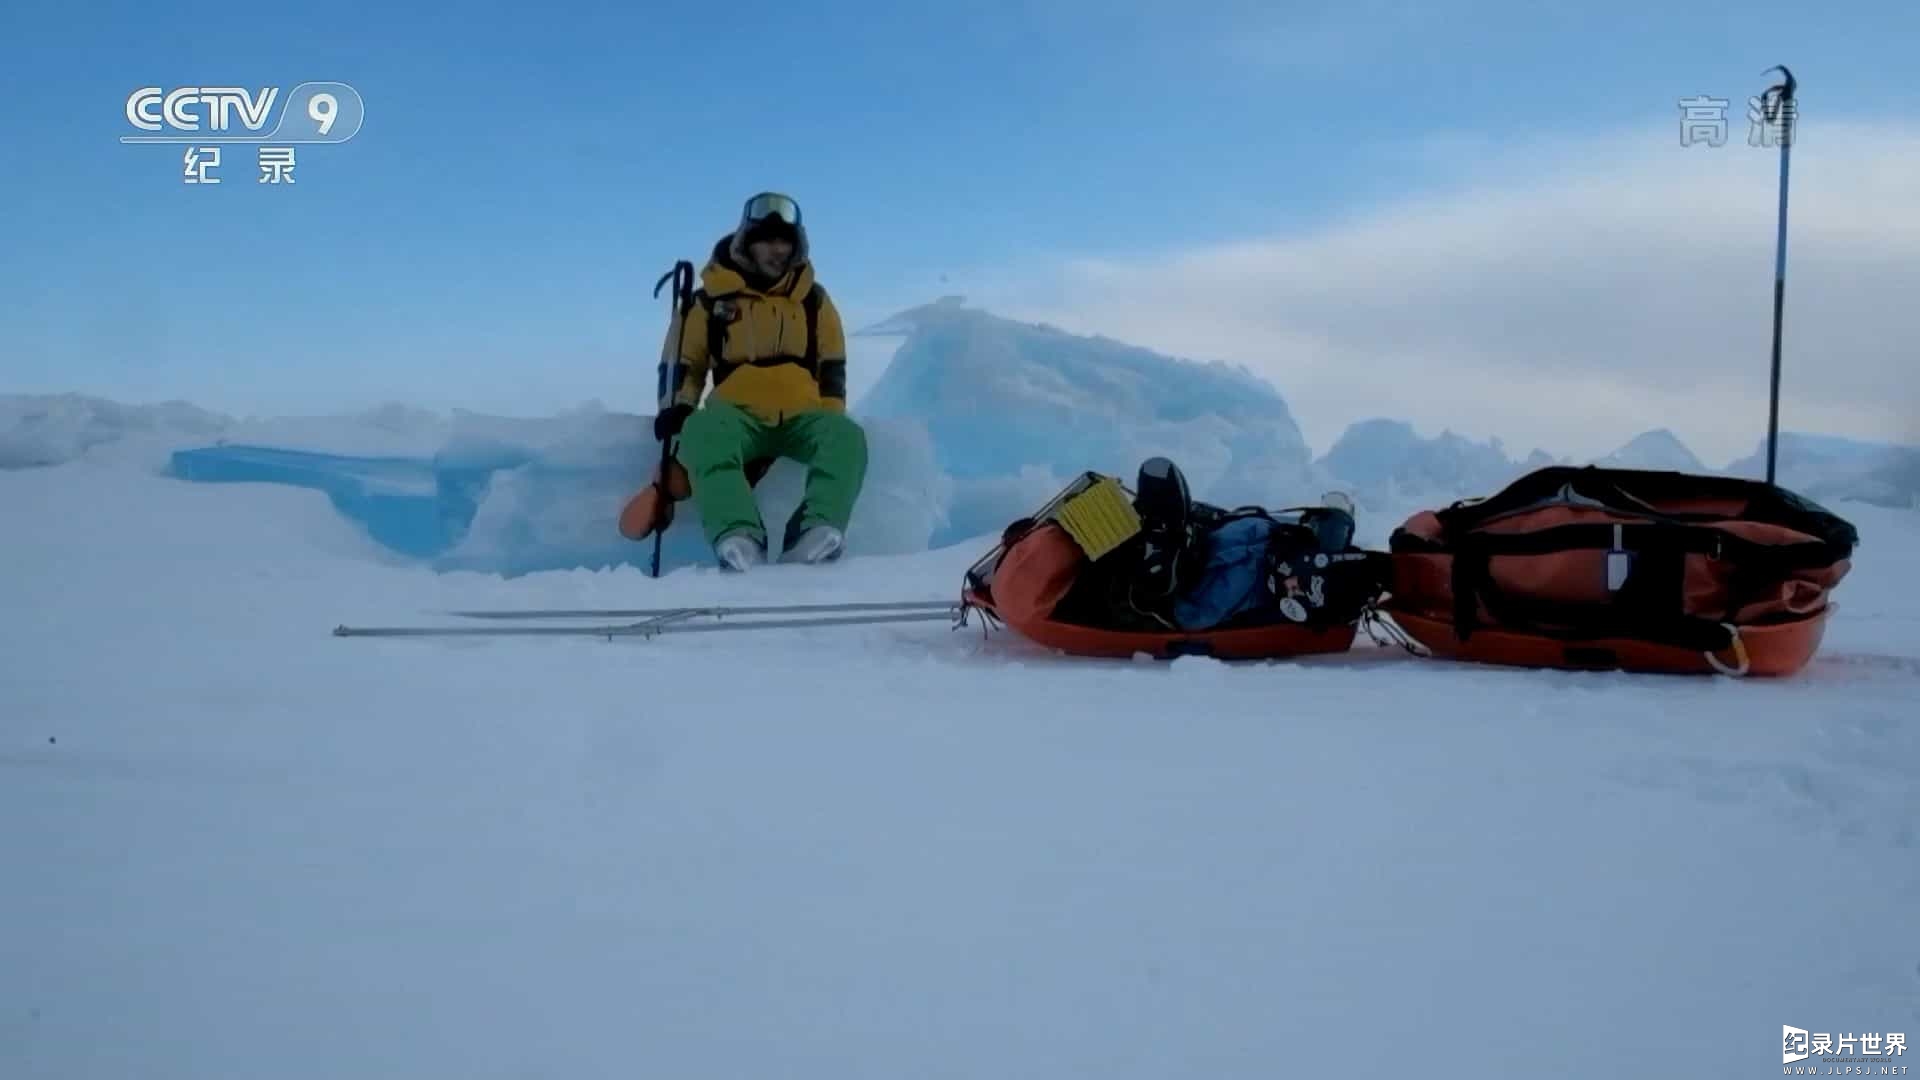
{"x": 667, "y": 423}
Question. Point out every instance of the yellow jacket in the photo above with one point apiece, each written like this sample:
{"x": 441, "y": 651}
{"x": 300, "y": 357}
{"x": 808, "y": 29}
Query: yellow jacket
{"x": 765, "y": 365}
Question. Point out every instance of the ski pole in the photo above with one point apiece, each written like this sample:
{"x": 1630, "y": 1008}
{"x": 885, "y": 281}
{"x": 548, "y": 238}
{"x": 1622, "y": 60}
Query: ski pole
{"x": 717, "y": 611}
{"x": 1778, "y": 104}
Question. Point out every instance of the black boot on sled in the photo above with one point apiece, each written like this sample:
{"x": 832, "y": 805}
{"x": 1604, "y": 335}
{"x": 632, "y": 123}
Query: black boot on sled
{"x": 1166, "y": 518}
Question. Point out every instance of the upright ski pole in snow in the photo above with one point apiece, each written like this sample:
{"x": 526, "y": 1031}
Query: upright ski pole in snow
{"x": 682, "y": 277}
{"x": 1777, "y": 105}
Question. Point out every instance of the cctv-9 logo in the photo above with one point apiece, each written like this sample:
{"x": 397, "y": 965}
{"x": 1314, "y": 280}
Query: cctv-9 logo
{"x": 314, "y": 112}
{"x": 329, "y": 112}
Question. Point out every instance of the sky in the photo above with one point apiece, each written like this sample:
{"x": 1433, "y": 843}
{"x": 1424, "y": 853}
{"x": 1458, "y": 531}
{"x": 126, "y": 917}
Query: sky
{"x": 1474, "y": 217}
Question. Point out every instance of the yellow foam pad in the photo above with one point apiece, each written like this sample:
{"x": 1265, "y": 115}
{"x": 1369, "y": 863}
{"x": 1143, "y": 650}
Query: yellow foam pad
{"x": 1100, "y": 518}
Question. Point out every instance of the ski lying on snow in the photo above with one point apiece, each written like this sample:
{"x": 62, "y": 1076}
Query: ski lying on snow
{"x": 716, "y": 612}
{"x": 670, "y": 621}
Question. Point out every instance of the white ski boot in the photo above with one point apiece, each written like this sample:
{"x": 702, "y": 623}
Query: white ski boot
{"x": 818, "y": 544}
{"x": 739, "y": 552}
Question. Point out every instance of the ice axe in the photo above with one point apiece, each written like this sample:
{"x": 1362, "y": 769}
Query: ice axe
{"x": 652, "y": 509}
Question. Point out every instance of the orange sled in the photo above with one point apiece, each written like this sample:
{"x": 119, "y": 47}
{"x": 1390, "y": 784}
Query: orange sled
{"x": 1622, "y": 569}
{"x": 1036, "y": 571}
{"x": 1023, "y": 581}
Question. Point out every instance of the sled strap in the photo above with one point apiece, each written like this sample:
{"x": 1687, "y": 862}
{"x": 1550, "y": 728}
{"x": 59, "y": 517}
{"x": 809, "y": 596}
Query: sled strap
{"x": 811, "y": 305}
{"x": 1640, "y": 539}
{"x": 716, "y": 337}
{"x": 809, "y": 360}
{"x": 1647, "y": 607}
{"x": 1742, "y": 663}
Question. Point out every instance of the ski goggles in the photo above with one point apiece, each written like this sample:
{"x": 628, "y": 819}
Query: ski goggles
{"x": 772, "y": 205}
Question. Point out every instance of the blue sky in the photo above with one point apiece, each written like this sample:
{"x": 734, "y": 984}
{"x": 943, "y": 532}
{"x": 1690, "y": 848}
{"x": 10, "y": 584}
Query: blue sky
{"x": 525, "y": 172}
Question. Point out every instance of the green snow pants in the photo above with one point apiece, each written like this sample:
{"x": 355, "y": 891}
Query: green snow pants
{"x": 720, "y": 438}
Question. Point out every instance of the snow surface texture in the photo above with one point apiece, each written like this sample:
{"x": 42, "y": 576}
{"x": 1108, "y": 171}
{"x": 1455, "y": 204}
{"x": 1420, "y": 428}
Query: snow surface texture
{"x": 238, "y": 847}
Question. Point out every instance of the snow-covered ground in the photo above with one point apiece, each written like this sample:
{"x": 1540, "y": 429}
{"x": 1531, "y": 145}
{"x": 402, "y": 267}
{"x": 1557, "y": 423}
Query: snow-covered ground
{"x": 240, "y": 847}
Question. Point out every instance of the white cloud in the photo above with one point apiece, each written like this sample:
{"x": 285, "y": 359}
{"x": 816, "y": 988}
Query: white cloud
{"x": 1566, "y": 295}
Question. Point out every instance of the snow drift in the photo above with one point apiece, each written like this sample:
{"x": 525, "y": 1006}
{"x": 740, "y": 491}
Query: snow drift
{"x": 1831, "y": 467}
{"x": 1015, "y": 410}
{"x": 515, "y": 496}
{"x": 1660, "y": 449}
{"x": 1384, "y": 464}
{"x": 972, "y": 421}
{"x": 50, "y": 429}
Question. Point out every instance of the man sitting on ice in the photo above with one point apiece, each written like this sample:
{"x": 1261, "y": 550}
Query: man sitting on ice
{"x": 774, "y": 344}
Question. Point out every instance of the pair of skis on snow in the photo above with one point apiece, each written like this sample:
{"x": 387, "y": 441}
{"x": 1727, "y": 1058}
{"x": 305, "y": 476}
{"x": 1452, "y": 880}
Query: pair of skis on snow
{"x": 650, "y": 622}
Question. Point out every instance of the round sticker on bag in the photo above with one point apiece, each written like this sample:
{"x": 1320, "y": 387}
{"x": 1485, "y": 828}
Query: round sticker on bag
{"x": 1293, "y": 609}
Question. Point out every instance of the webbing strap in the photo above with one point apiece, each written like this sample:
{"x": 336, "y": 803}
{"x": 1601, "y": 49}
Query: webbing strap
{"x": 1646, "y": 608}
{"x": 811, "y": 305}
{"x": 1639, "y": 538}
{"x": 809, "y": 360}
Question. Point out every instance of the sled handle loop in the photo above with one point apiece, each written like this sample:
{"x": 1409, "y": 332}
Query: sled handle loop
{"x": 1742, "y": 663}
